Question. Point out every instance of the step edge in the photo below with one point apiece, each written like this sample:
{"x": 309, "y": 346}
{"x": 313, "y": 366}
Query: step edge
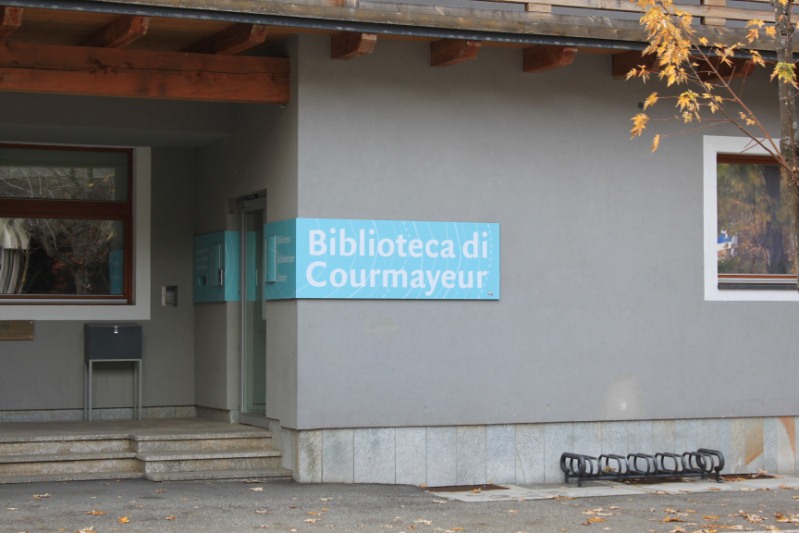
{"x": 270, "y": 474}
{"x": 62, "y": 457}
{"x": 78, "y": 476}
{"x": 187, "y": 455}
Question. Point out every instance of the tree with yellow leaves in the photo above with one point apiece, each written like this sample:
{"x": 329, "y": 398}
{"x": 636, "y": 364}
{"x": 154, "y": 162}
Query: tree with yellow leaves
{"x": 697, "y": 67}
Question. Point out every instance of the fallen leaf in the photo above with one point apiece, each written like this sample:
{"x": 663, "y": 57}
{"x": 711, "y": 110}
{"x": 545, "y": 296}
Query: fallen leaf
{"x": 751, "y": 518}
{"x": 710, "y": 517}
{"x": 671, "y": 519}
{"x": 786, "y": 519}
{"x": 261, "y": 511}
{"x": 123, "y": 520}
{"x": 89, "y": 529}
{"x": 325, "y": 499}
{"x": 170, "y": 517}
{"x": 40, "y": 496}
{"x": 423, "y": 521}
{"x": 599, "y": 511}
{"x": 257, "y": 489}
{"x": 593, "y": 520}
{"x": 476, "y": 491}
{"x": 96, "y": 513}
{"x": 311, "y": 520}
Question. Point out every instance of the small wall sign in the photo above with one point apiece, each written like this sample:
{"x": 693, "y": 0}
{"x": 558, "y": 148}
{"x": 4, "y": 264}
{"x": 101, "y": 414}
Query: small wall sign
{"x": 16, "y": 330}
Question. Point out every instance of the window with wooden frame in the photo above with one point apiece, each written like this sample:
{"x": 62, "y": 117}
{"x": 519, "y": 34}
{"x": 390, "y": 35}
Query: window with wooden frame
{"x": 66, "y": 225}
{"x": 755, "y": 241}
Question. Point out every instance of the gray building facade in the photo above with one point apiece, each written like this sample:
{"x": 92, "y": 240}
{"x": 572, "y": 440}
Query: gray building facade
{"x": 609, "y": 336}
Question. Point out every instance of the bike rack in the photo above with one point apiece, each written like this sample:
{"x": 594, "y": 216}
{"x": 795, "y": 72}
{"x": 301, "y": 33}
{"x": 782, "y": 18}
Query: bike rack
{"x": 702, "y": 463}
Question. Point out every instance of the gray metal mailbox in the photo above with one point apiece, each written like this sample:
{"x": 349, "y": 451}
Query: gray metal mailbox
{"x": 112, "y": 341}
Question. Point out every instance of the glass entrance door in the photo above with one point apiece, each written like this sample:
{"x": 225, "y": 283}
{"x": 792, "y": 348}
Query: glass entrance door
{"x": 253, "y": 311}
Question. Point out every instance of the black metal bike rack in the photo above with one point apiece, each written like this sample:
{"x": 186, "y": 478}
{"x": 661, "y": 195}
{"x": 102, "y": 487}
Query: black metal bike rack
{"x": 701, "y": 463}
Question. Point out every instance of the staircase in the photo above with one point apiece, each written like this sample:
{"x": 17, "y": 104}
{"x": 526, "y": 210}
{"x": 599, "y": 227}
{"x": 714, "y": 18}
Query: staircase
{"x": 83, "y": 451}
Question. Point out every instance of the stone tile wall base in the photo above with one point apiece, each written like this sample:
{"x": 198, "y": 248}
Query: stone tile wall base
{"x": 525, "y": 453}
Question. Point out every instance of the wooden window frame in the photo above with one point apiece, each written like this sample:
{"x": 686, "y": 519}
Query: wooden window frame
{"x": 78, "y": 210}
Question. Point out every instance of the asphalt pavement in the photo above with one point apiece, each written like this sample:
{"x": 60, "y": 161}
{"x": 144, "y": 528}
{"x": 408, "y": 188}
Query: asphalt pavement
{"x": 235, "y": 506}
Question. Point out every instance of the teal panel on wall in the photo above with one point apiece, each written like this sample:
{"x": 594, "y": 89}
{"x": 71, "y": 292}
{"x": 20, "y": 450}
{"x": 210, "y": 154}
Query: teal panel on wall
{"x": 217, "y": 267}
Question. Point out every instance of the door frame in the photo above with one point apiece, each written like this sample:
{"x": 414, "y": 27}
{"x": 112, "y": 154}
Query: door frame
{"x": 245, "y": 205}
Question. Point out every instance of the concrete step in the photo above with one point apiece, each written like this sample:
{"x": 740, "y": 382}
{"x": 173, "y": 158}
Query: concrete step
{"x": 259, "y": 475}
{"x": 158, "y": 452}
{"x": 189, "y": 461}
{"x": 69, "y": 463}
{"x": 63, "y": 444}
{"x": 225, "y": 442}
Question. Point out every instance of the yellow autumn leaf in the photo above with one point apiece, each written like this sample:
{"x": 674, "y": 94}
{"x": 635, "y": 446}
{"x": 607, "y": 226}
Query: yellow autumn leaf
{"x": 671, "y": 519}
{"x": 639, "y": 124}
{"x": 651, "y": 100}
{"x": 785, "y": 72}
{"x": 96, "y": 513}
{"x": 703, "y": 41}
{"x": 687, "y": 100}
{"x": 771, "y": 31}
{"x": 655, "y": 143}
{"x": 123, "y": 520}
{"x": 757, "y": 23}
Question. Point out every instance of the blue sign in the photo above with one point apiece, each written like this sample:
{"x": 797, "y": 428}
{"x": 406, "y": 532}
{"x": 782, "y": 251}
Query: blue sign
{"x": 382, "y": 259}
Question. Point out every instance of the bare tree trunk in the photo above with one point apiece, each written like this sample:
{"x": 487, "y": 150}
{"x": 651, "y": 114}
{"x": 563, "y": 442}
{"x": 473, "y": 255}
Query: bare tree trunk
{"x": 788, "y": 118}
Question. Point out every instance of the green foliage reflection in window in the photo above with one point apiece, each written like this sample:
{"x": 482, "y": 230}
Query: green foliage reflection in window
{"x": 755, "y": 235}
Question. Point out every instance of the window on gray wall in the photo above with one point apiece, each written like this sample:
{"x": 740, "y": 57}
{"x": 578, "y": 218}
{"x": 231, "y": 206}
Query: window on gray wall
{"x": 65, "y": 224}
{"x": 756, "y": 242}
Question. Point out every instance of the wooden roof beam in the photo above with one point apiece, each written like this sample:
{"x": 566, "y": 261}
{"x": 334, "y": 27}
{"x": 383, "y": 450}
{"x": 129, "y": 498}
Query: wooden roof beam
{"x": 143, "y": 74}
{"x": 230, "y": 41}
{"x": 739, "y": 67}
{"x": 541, "y": 58}
{"x": 119, "y": 33}
{"x": 10, "y": 21}
{"x": 447, "y": 52}
{"x": 348, "y": 45}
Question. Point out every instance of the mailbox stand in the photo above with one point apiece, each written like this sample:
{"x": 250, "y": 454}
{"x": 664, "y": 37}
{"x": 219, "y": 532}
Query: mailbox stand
{"x": 112, "y": 343}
